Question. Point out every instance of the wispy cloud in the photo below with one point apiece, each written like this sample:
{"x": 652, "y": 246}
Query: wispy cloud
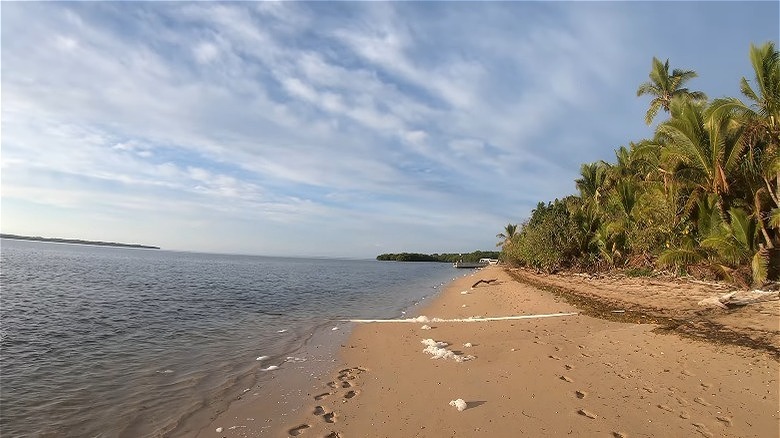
{"x": 420, "y": 126}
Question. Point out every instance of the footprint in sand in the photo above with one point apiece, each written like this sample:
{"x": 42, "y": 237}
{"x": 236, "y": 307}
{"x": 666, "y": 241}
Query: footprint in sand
{"x": 350, "y": 394}
{"x": 329, "y": 417}
{"x": 332, "y": 385}
{"x": 665, "y": 408}
{"x": 295, "y": 431}
{"x": 701, "y": 401}
{"x": 333, "y": 435}
{"x": 588, "y": 414}
{"x": 725, "y": 420}
{"x": 552, "y": 356}
{"x": 319, "y": 397}
{"x": 684, "y": 415}
{"x": 566, "y": 379}
{"x": 580, "y": 394}
{"x": 569, "y": 367}
{"x": 687, "y": 373}
{"x": 350, "y": 373}
{"x": 619, "y": 435}
{"x": 346, "y": 385}
{"x": 683, "y": 401}
{"x": 702, "y": 429}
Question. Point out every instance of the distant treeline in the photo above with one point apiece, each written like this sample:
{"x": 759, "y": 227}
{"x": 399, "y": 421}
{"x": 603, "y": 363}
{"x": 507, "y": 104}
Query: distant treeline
{"x": 76, "y": 241}
{"x": 448, "y": 258}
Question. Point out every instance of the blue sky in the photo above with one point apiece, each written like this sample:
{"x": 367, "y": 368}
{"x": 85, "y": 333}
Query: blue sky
{"x": 331, "y": 129}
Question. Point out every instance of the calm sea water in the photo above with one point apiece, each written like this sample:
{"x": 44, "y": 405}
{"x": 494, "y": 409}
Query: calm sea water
{"x": 114, "y": 342}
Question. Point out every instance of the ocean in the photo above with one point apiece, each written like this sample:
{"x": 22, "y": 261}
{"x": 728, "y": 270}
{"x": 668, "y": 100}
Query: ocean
{"x": 110, "y": 342}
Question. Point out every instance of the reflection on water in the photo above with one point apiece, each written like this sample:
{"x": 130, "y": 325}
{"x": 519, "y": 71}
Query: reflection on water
{"x": 106, "y": 341}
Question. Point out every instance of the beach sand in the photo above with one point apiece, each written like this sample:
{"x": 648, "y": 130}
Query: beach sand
{"x": 574, "y": 375}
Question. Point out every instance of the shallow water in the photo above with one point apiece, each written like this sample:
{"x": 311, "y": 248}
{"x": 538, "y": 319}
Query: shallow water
{"x": 110, "y": 342}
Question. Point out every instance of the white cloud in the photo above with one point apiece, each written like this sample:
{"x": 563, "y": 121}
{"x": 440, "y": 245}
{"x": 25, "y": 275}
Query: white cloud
{"x": 279, "y": 115}
{"x": 206, "y": 52}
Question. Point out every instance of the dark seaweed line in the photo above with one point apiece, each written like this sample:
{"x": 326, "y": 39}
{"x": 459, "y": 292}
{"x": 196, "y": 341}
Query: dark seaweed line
{"x": 699, "y": 328}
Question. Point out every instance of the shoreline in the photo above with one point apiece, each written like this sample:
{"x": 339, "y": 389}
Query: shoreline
{"x": 269, "y": 397}
{"x": 576, "y": 375}
{"x": 76, "y": 241}
{"x": 267, "y": 407}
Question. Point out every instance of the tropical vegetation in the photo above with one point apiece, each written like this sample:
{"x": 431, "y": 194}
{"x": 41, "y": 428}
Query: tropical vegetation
{"x": 700, "y": 197}
{"x": 473, "y": 256}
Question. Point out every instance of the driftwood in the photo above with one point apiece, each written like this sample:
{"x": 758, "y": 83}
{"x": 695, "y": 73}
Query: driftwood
{"x": 709, "y": 283}
{"x": 484, "y": 281}
{"x": 740, "y": 298}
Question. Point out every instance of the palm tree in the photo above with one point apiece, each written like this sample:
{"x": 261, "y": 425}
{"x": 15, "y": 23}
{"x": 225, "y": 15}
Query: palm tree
{"x": 702, "y": 149}
{"x": 594, "y": 181}
{"x": 510, "y": 231}
{"x": 761, "y": 121}
{"x": 664, "y": 87}
{"x": 736, "y": 245}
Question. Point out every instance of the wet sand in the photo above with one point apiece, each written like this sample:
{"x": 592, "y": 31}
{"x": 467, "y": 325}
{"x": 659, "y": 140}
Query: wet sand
{"x": 572, "y": 375}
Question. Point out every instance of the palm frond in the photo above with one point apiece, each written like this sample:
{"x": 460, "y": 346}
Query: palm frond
{"x": 726, "y": 248}
{"x": 760, "y": 267}
{"x": 774, "y": 218}
{"x": 743, "y": 228}
{"x": 679, "y": 257}
{"x": 747, "y": 90}
{"x": 652, "y": 111}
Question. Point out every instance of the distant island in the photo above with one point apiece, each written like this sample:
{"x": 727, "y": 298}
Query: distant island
{"x": 76, "y": 241}
{"x": 445, "y": 258}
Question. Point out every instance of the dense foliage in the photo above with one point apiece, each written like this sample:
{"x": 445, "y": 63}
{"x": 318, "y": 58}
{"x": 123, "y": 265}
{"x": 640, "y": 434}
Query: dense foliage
{"x": 700, "y": 197}
{"x": 449, "y": 258}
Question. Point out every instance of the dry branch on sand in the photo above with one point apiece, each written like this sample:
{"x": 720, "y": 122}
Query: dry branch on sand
{"x": 484, "y": 281}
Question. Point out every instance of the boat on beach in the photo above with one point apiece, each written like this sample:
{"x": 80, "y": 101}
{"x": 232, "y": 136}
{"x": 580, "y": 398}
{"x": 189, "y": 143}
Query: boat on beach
{"x": 480, "y": 264}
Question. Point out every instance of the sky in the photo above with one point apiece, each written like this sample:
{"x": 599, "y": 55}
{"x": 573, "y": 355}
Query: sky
{"x": 331, "y": 129}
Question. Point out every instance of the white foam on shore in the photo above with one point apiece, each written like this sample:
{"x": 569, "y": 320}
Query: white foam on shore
{"x": 437, "y": 350}
{"x": 271, "y": 368}
{"x": 425, "y": 327}
{"x": 431, "y": 343}
{"x": 262, "y": 358}
{"x": 425, "y": 319}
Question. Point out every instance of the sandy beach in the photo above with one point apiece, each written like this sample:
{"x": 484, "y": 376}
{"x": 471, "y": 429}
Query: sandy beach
{"x": 574, "y": 375}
